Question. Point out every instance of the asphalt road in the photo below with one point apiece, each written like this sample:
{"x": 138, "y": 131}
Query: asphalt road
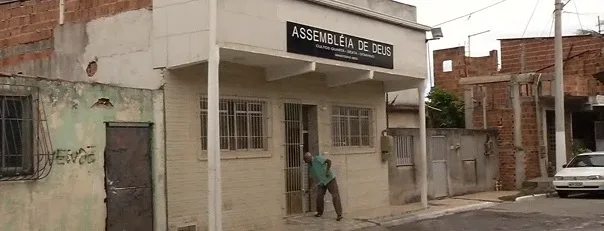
{"x": 578, "y": 213}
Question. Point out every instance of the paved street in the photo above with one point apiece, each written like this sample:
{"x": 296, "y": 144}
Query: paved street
{"x": 579, "y": 213}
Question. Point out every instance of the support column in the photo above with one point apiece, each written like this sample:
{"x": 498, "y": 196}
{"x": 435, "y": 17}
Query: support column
{"x": 214, "y": 185}
{"x": 422, "y": 144}
{"x": 468, "y": 98}
{"x": 540, "y": 127}
{"x": 483, "y": 89}
{"x": 518, "y": 148}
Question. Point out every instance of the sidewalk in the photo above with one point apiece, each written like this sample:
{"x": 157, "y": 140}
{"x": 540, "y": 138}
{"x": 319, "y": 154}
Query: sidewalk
{"x": 378, "y": 219}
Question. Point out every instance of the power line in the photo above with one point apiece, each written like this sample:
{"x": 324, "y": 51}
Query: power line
{"x": 548, "y": 26}
{"x": 471, "y": 13}
{"x": 530, "y": 18}
{"x": 578, "y": 16}
{"x": 551, "y": 25}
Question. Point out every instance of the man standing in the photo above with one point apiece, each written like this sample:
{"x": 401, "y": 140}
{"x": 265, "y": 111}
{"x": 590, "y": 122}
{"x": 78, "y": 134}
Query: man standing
{"x": 320, "y": 168}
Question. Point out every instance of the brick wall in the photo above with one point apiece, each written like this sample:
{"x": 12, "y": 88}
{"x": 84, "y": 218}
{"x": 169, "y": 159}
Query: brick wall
{"x": 462, "y": 66}
{"x": 499, "y": 109}
{"x": 585, "y": 53}
{"x": 33, "y": 22}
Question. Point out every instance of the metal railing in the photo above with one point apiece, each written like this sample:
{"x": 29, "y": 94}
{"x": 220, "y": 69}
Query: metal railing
{"x": 25, "y": 146}
{"x": 404, "y": 149}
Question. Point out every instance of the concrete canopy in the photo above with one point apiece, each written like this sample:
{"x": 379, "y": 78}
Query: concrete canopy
{"x": 281, "y": 65}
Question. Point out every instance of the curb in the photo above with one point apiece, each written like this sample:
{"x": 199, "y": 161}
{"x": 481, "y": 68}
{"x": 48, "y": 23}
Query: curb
{"x": 535, "y": 196}
{"x": 530, "y": 197}
{"x": 437, "y": 214}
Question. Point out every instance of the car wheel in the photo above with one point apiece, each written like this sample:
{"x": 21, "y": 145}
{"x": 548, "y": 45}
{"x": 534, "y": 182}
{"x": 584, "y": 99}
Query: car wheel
{"x": 562, "y": 194}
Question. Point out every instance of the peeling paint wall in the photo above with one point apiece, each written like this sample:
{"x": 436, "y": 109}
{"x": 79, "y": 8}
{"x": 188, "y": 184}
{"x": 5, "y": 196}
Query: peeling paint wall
{"x": 120, "y": 46}
{"x": 72, "y": 196}
{"x": 118, "y": 43}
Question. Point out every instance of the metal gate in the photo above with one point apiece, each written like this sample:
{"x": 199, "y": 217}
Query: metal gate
{"x": 128, "y": 177}
{"x": 296, "y": 172}
{"x": 438, "y": 151}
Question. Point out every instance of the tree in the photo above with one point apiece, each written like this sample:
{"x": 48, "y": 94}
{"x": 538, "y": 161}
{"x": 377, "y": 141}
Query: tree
{"x": 445, "y": 109}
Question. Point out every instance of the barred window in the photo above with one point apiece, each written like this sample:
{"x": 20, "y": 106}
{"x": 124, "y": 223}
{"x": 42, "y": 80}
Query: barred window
{"x": 403, "y": 146}
{"x": 16, "y": 136}
{"x": 351, "y": 126}
{"x": 242, "y": 124}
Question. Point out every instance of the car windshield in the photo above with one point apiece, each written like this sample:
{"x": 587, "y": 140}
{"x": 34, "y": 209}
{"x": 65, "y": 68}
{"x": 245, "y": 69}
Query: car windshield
{"x": 587, "y": 161}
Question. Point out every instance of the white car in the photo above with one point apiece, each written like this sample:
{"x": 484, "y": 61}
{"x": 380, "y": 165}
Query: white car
{"x": 584, "y": 173}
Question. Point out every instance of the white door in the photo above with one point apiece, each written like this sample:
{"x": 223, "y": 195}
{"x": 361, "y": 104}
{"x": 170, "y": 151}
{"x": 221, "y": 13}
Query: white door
{"x": 438, "y": 151}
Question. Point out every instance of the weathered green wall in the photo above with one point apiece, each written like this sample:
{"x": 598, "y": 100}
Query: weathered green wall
{"x": 72, "y": 196}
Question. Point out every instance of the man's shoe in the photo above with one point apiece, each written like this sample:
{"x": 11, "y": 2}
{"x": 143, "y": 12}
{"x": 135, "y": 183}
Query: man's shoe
{"x": 339, "y": 218}
{"x": 318, "y": 215}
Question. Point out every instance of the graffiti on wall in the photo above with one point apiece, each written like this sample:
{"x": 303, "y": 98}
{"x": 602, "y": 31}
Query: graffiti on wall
{"x": 83, "y": 155}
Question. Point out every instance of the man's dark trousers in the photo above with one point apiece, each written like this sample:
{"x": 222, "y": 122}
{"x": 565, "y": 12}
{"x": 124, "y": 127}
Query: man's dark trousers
{"x": 332, "y": 187}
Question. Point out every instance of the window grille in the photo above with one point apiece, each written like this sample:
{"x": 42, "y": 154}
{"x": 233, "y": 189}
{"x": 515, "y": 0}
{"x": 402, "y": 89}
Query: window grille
{"x": 404, "y": 146}
{"x": 242, "y": 124}
{"x": 351, "y": 126}
{"x": 25, "y": 148}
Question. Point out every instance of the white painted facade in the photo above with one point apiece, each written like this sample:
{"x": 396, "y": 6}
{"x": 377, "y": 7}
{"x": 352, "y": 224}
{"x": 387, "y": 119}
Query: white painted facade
{"x": 255, "y": 65}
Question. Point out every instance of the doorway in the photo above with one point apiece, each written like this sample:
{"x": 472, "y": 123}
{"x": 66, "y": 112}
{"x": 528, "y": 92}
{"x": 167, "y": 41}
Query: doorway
{"x": 300, "y": 130}
{"x": 584, "y": 129}
{"x": 550, "y": 121}
{"x": 128, "y": 181}
{"x": 440, "y": 175}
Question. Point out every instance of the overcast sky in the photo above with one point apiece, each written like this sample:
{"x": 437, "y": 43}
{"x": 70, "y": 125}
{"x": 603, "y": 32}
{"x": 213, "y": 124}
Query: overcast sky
{"x": 506, "y": 20}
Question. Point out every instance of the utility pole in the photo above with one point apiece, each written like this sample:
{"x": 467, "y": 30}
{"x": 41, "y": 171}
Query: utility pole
{"x": 423, "y": 168}
{"x": 214, "y": 178}
{"x": 599, "y": 25}
{"x": 421, "y": 91}
{"x": 559, "y": 95}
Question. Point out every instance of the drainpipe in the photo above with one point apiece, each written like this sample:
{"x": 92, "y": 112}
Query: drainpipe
{"x": 61, "y": 12}
{"x": 214, "y": 189}
{"x": 387, "y": 110}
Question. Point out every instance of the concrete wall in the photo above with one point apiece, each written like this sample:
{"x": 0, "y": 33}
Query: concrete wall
{"x": 403, "y": 119}
{"x": 119, "y": 45}
{"x": 254, "y": 181}
{"x": 405, "y": 97}
{"x": 178, "y": 41}
{"x": 72, "y": 196}
{"x": 468, "y": 168}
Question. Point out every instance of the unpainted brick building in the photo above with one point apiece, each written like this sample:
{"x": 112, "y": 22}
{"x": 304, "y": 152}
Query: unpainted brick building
{"x": 583, "y": 60}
